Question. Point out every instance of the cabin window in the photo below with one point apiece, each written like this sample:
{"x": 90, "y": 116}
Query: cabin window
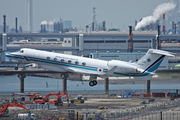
{"x": 76, "y": 62}
{"x": 69, "y": 61}
{"x": 83, "y": 63}
{"x": 21, "y": 51}
{"x": 62, "y": 60}
{"x": 55, "y": 59}
{"x": 48, "y": 58}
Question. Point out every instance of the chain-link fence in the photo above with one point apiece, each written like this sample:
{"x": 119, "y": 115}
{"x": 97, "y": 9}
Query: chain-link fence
{"x": 169, "y": 110}
{"x": 71, "y": 115}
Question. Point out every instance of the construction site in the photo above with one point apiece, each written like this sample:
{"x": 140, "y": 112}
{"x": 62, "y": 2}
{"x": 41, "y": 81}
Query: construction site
{"x": 129, "y": 105}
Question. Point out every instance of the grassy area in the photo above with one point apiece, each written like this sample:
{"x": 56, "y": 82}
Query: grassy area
{"x": 171, "y": 75}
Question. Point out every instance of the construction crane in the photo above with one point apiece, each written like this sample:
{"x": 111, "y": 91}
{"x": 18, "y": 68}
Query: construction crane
{"x": 46, "y": 98}
{"x": 58, "y": 100}
{"x": 5, "y": 111}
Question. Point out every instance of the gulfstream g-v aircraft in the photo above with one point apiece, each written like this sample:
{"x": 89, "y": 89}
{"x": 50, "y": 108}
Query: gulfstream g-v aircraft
{"x": 143, "y": 69}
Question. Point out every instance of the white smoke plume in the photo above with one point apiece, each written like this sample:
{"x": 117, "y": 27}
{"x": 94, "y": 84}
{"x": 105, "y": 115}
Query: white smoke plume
{"x": 45, "y": 22}
{"x": 158, "y": 11}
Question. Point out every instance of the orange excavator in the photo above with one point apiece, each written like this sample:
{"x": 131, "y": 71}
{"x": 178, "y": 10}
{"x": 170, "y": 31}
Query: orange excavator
{"x": 58, "y": 100}
{"x": 35, "y": 96}
{"x": 42, "y": 101}
{"x": 5, "y": 108}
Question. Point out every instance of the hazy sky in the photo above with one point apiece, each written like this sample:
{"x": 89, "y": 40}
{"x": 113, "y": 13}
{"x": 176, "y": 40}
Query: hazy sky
{"x": 116, "y": 13}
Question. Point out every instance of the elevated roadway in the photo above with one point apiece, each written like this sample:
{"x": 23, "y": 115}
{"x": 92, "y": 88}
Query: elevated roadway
{"x": 22, "y": 75}
{"x": 101, "y": 34}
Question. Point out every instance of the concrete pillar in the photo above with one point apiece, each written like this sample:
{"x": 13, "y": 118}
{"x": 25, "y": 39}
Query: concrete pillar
{"x": 3, "y": 42}
{"x": 106, "y": 86}
{"x": 21, "y": 76}
{"x": 64, "y": 76}
{"x": 148, "y": 82}
{"x": 2, "y": 56}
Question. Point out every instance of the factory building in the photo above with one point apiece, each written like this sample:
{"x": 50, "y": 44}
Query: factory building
{"x": 58, "y": 27}
{"x": 67, "y": 24}
{"x": 103, "y": 42}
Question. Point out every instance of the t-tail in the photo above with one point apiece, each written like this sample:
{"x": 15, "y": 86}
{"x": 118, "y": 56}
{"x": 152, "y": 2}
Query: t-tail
{"x": 150, "y": 62}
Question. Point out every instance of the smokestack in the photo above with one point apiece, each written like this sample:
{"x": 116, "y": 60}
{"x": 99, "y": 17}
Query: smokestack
{"x": 92, "y": 26}
{"x": 29, "y": 15}
{"x": 175, "y": 28}
{"x": 163, "y": 29}
{"x": 130, "y": 41}
{"x": 16, "y": 24}
{"x": 104, "y": 26}
{"x": 173, "y": 25}
{"x": 158, "y": 41}
{"x": 4, "y": 22}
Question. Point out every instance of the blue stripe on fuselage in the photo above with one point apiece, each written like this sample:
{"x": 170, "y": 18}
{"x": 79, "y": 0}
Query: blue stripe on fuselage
{"x": 62, "y": 64}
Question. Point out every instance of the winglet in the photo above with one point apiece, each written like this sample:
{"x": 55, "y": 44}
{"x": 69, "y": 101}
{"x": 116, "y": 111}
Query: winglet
{"x": 110, "y": 72}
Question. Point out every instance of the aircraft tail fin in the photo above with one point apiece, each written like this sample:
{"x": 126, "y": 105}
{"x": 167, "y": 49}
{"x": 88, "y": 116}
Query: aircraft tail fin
{"x": 151, "y": 60}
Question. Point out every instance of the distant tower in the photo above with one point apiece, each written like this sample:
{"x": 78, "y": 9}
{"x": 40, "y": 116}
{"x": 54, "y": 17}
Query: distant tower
{"x": 29, "y": 17}
{"x": 94, "y": 20}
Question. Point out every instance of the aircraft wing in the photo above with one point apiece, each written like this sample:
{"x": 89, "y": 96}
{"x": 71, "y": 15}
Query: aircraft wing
{"x": 89, "y": 72}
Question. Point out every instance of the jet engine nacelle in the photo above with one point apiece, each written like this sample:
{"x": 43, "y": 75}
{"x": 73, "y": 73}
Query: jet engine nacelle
{"x": 123, "y": 67}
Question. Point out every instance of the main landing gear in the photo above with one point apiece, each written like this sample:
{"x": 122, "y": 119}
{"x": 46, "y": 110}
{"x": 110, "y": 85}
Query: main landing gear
{"x": 92, "y": 83}
{"x": 16, "y": 68}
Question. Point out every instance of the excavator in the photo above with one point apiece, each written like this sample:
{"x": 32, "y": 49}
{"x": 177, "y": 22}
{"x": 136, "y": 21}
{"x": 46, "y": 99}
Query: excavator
{"x": 35, "y": 96}
{"x": 58, "y": 100}
{"x": 5, "y": 108}
{"x": 42, "y": 101}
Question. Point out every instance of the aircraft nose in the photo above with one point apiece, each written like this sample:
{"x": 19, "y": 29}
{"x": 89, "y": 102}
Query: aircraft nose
{"x": 9, "y": 54}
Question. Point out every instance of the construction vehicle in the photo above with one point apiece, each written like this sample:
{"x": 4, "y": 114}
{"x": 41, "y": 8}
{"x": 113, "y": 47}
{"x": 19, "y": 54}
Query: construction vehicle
{"x": 58, "y": 100}
{"x": 174, "y": 95}
{"x": 5, "y": 108}
{"x": 26, "y": 116}
{"x": 35, "y": 96}
{"x": 78, "y": 99}
{"x": 27, "y": 96}
{"x": 62, "y": 116}
{"x": 42, "y": 101}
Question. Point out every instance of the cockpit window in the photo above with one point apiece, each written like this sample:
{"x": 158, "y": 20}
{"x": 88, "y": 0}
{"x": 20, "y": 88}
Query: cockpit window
{"x": 21, "y": 51}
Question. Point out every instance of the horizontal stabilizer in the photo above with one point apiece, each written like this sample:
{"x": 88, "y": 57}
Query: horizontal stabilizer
{"x": 111, "y": 71}
{"x": 161, "y": 52}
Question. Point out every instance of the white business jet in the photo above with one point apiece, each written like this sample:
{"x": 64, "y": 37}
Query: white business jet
{"x": 143, "y": 69}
